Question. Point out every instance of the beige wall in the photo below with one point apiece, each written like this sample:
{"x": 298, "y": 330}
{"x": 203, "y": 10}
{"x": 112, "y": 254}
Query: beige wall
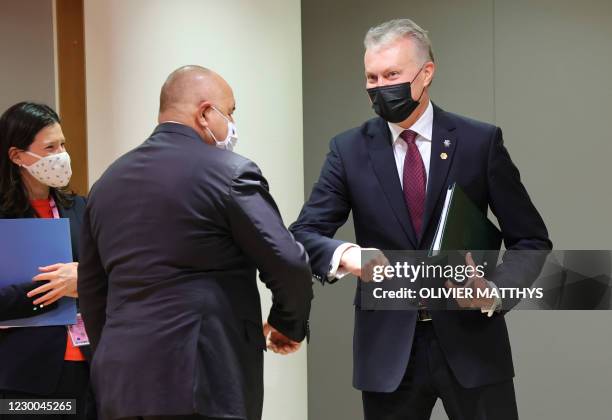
{"x": 131, "y": 46}
{"x": 27, "y": 69}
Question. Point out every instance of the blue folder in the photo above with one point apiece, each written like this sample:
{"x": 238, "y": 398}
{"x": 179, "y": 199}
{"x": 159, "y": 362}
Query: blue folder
{"x": 25, "y": 245}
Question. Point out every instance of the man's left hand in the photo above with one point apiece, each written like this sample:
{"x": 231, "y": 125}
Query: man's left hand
{"x": 475, "y": 283}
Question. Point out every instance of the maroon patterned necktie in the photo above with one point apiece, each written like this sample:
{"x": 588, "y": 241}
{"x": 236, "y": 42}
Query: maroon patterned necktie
{"x": 414, "y": 180}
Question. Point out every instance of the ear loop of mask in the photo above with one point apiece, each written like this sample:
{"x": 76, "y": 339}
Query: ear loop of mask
{"x": 209, "y": 130}
{"x": 212, "y": 135}
{"x": 225, "y": 118}
{"x": 33, "y": 154}
{"x": 21, "y": 165}
{"x": 414, "y": 78}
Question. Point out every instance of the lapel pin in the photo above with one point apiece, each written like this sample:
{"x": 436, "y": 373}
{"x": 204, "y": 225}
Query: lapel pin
{"x": 447, "y": 143}
{"x": 443, "y": 156}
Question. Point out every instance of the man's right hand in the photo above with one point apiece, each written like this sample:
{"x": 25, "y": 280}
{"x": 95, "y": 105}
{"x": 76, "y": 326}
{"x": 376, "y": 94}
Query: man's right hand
{"x": 351, "y": 261}
{"x": 278, "y": 342}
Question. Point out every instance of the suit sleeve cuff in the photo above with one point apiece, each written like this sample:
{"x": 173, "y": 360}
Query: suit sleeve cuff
{"x": 297, "y": 330}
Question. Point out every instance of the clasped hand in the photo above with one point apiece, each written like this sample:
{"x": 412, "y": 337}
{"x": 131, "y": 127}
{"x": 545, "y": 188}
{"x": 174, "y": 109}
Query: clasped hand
{"x": 278, "y": 342}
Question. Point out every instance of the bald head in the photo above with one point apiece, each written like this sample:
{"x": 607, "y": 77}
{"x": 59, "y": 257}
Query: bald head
{"x": 187, "y": 86}
{"x": 199, "y": 98}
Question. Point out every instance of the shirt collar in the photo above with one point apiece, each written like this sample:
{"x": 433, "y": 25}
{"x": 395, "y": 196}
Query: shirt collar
{"x": 423, "y": 126}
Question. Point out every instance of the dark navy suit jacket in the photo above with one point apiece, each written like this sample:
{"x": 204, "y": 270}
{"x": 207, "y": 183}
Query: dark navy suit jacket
{"x": 31, "y": 359}
{"x": 14, "y": 302}
{"x": 173, "y": 235}
{"x": 360, "y": 175}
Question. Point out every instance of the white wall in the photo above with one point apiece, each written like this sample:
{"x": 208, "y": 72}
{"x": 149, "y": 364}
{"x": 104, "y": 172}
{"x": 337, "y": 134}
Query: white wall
{"x": 131, "y": 46}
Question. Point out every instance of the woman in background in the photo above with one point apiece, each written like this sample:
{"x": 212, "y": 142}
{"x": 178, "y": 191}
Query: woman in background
{"x": 40, "y": 362}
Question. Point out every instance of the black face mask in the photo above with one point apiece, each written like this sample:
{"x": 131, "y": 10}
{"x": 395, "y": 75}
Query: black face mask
{"x": 394, "y": 103}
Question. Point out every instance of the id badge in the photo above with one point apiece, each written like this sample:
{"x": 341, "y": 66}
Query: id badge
{"x": 77, "y": 333}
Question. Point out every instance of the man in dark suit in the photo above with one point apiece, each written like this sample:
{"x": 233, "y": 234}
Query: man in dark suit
{"x": 392, "y": 172}
{"x": 174, "y": 232}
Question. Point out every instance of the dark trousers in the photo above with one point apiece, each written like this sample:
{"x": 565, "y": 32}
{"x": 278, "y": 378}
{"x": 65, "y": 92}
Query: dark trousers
{"x": 427, "y": 378}
{"x": 73, "y": 384}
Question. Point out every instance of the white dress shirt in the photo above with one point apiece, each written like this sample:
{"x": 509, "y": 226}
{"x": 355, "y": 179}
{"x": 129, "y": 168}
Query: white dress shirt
{"x": 424, "y": 128}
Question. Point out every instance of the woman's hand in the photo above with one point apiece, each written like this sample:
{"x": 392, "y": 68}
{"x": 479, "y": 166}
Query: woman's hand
{"x": 62, "y": 281}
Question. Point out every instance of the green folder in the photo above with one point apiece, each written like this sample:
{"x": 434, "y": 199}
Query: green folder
{"x": 463, "y": 226}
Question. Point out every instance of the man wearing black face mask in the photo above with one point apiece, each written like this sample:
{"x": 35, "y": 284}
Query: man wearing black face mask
{"x": 391, "y": 172}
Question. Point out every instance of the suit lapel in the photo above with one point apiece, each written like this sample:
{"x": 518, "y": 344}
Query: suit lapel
{"x": 70, "y": 214}
{"x": 383, "y": 161}
{"x": 443, "y": 146}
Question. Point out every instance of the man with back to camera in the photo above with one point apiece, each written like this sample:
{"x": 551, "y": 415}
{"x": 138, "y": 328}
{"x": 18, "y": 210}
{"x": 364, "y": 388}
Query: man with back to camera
{"x": 173, "y": 234}
{"x": 392, "y": 173}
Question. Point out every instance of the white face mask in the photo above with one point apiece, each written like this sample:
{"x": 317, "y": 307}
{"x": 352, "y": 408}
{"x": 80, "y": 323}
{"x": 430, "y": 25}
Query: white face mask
{"x": 232, "y": 135}
{"x": 52, "y": 170}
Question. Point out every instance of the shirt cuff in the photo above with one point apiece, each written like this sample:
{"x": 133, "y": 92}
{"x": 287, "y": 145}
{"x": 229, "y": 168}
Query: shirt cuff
{"x": 497, "y": 305}
{"x": 335, "y": 271}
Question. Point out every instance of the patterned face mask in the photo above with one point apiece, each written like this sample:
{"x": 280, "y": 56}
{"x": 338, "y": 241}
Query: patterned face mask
{"x": 53, "y": 170}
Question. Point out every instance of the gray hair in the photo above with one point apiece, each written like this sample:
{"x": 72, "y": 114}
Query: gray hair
{"x": 392, "y": 30}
